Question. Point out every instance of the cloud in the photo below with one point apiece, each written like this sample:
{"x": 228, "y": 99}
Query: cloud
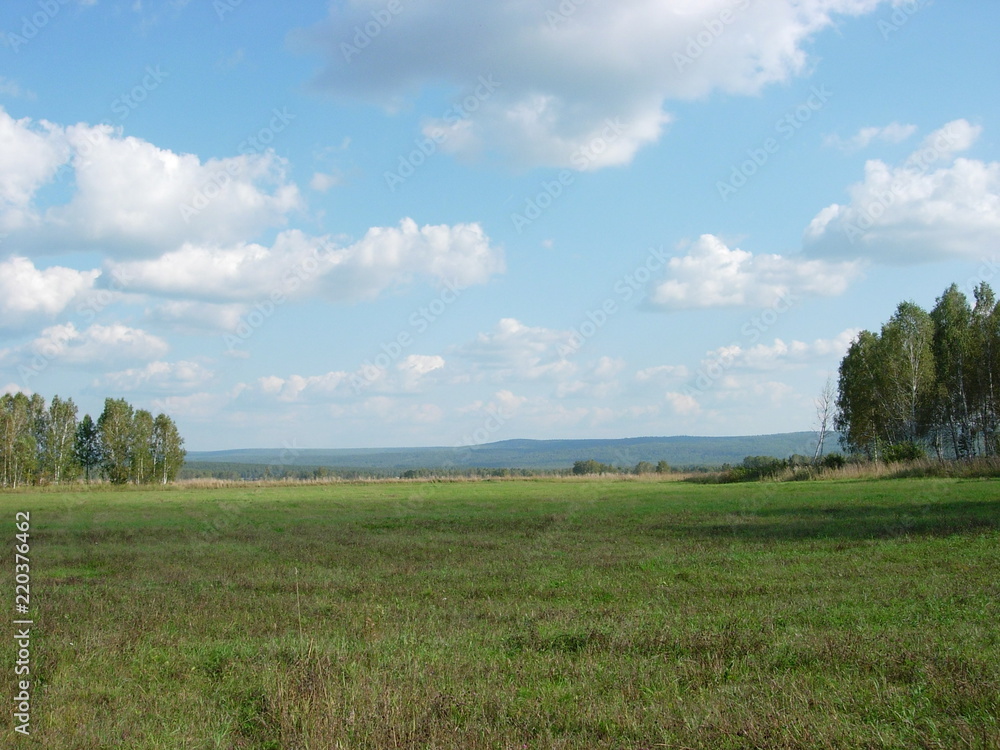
{"x": 777, "y": 354}
{"x": 13, "y": 89}
{"x": 562, "y": 71}
{"x": 661, "y": 373}
{"x": 202, "y": 405}
{"x": 31, "y": 155}
{"x": 598, "y": 381}
{"x": 297, "y": 265}
{"x": 418, "y": 365}
{"x": 934, "y": 206}
{"x": 188, "y": 315}
{"x": 27, "y": 292}
{"x": 516, "y": 351}
{"x": 684, "y": 404}
{"x": 178, "y": 227}
{"x": 406, "y": 377}
{"x": 608, "y": 367}
{"x": 413, "y": 372}
{"x": 894, "y": 132}
{"x": 394, "y": 411}
{"x": 713, "y": 275}
{"x": 131, "y": 197}
{"x": 97, "y": 344}
{"x": 159, "y": 376}
{"x": 323, "y": 181}
{"x": 296, "y": 387}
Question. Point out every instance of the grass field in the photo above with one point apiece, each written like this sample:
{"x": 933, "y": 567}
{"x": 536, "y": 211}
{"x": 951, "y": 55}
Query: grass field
{"x": 514, "y": 614}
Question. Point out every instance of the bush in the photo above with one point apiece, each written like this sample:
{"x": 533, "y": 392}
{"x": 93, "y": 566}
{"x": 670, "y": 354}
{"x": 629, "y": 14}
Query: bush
{"x": 590, "y": 466}
{"x": 753, "y": 468}
{"x": 833, "y": 461}
{"x": 908, "y": 451}
{"x": 758, "y": 467}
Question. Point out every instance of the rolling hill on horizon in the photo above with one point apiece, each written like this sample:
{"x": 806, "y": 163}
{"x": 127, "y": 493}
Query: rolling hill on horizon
{"x": 680, "y": 451}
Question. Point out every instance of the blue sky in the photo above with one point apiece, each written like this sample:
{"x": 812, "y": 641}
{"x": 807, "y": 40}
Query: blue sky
{"x": 404, "y": 222}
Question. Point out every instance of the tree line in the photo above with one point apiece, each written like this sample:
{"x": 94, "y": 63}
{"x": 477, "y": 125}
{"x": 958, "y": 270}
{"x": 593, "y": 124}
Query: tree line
{"x": 591, "y": 466}
{"x": 927, "y": 383}
{"x": 46, "y": 444}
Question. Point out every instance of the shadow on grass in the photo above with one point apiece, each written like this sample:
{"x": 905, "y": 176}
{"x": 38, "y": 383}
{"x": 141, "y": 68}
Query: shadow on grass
{"x": 856, "y": 522}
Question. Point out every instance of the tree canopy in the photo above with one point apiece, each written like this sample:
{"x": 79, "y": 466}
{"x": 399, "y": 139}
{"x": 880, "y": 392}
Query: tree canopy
{"x": 45, "y": 443}
{"x": 926, "y": 383}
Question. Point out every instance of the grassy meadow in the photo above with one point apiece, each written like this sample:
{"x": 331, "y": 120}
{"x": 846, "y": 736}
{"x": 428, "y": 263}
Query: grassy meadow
{"x": 513, "y": 614}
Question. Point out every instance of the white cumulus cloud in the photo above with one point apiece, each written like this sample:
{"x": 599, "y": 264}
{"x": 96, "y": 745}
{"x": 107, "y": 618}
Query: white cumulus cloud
{"x": 189, "y": 315}
{"x": 513, "y": 350}
{"x": 935, "y": 206}
{"x": 96, "y": 344}
{"x": 894, "y": 132}
{"x": 778, "y": 353}
{"x": 713, "y": 275}
{"x": 540, "y": 81}
{"x": 129, "y": 196}
{"x": 159, "y": 376}
{"x": 297, "y": 264}
{"x": 27, "y": 292}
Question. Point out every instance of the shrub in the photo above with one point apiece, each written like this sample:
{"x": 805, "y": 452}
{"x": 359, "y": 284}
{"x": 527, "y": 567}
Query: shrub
{"x": 833, "y": 461}
{"x": 908, "y": 451}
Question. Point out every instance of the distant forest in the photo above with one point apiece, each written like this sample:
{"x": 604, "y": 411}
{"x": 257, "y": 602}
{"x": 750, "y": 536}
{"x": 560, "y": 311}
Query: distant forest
{"x": 506, "y": 458}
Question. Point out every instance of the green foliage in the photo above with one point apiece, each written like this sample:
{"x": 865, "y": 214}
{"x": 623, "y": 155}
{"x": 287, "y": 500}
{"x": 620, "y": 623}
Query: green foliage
{"x": 87, "y": 450}
{"x": 42, "y": 444}
{"x": 927, "y": 381}
{"x": 417, "y": 473}
{"x": 754, "y": 468}
{"x": 908, "y": 451}
{"x": 590, "y": 466}
{"x": 58, "y": 458}
{"x": 166, "y": 449}
{"x": 21, "y": 432}
{"x": 833, "y": 461}
{"x": 115, "y": 429}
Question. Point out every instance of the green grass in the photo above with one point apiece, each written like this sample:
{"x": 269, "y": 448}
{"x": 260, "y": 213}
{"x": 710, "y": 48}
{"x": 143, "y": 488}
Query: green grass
{"x": 516, "y": 614}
